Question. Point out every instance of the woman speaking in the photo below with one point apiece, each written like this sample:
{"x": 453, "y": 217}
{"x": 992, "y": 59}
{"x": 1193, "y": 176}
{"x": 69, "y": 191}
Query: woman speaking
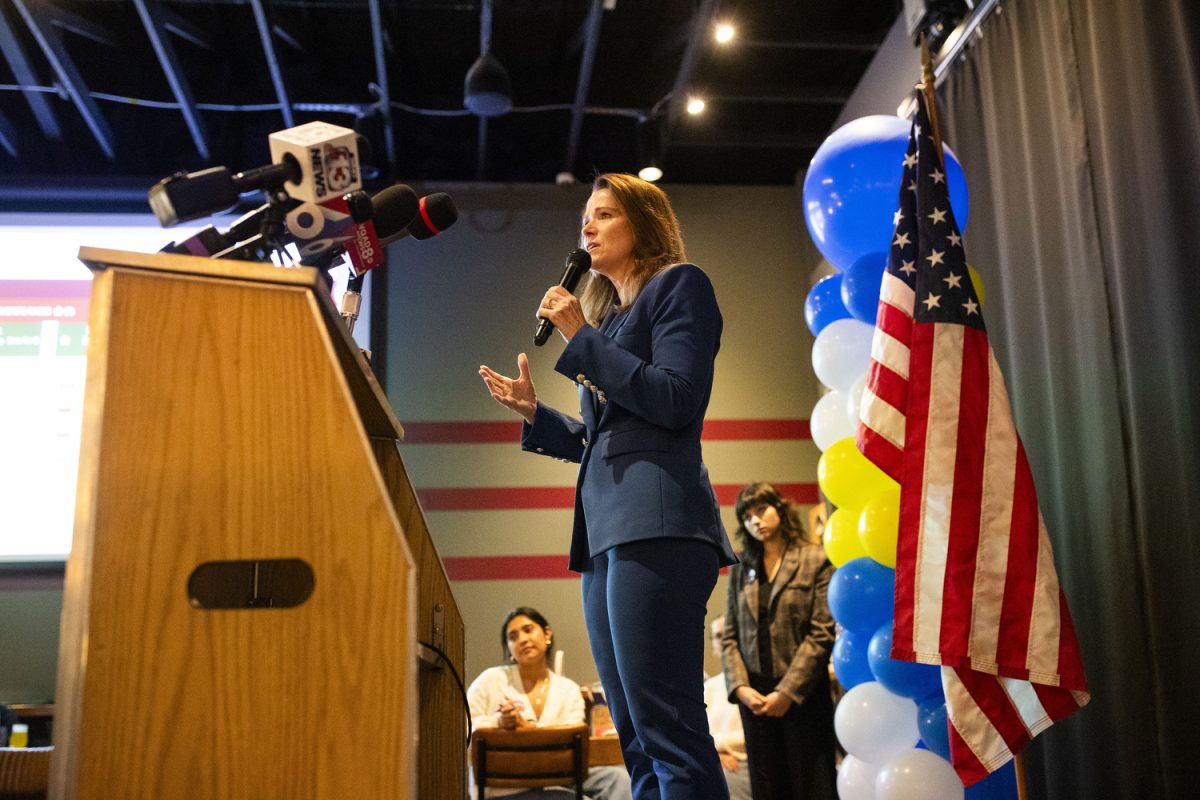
{"x": 648, "y": 539}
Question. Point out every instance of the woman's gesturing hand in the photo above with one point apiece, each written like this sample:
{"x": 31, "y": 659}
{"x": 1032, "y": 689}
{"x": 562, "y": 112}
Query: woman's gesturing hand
{"x": 514, "y": 393}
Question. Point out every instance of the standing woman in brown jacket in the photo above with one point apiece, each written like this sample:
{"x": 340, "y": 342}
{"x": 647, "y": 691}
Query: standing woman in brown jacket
{"x": 778, "y": 636}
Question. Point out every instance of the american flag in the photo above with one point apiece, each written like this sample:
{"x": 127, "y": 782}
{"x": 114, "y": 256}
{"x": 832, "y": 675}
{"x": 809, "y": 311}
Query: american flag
{"x": 976, "y": 588}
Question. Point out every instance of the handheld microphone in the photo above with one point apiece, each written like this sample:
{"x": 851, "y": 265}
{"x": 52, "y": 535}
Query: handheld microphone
{"x": 578, "y": 262}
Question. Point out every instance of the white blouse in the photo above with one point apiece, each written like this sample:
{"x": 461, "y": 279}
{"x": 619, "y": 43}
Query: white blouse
{"x": 563, "y": 706}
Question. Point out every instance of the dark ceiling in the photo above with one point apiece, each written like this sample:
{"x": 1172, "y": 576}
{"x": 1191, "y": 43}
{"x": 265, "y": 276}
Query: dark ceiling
{"x": 97, "y": 93}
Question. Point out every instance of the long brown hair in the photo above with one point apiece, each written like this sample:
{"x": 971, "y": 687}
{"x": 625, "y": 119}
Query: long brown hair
{"x": 658, "y": 241}
{"x": 791, "y": 523}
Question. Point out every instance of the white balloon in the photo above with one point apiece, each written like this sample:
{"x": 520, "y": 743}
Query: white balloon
{"x": 856, "y": 779}
{"x": 874, "y": 724}
{"x": 829, "y": 422}
{"x": 918, "y": 775}
{"x": 842, "y": 352}
{"x": 855, "y": 395}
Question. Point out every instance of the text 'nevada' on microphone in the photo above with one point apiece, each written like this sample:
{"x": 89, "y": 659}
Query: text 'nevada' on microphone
{"x": 578, "y": 262}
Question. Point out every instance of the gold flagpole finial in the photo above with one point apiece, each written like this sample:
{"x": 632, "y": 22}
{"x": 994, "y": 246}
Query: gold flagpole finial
{"x": 928, "y": 88}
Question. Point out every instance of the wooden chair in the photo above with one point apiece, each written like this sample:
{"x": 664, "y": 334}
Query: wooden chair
{"x": 530, "y": 757}
{"x": 24, "y": 772}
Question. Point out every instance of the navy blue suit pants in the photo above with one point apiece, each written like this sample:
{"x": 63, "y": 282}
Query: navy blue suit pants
{"x": 645, "y": 603}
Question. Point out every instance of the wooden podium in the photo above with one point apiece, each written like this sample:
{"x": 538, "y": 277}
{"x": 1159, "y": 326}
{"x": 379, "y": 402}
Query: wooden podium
{"x": 251, "y": 575}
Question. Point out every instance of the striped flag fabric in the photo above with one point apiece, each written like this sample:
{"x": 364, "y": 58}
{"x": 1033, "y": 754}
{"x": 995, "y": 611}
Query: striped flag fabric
{"x": 976, "y": 587}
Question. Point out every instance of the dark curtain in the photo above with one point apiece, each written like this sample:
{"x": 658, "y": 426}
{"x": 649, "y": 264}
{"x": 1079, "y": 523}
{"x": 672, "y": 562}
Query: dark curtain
{"x": 1078, "y": 125}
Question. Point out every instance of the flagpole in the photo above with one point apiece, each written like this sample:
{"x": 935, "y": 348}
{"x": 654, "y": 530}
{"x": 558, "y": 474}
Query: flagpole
{"x": 1019, "y": 769}
{"x": 929, "y": 89}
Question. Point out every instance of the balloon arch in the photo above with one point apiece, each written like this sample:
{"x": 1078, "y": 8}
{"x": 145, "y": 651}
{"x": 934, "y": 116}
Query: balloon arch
{"x": 892, "y": 720}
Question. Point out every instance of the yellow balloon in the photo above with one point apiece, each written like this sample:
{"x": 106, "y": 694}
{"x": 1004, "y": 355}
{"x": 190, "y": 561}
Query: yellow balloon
{"x": 846, "y": 477}
{"x": 841, "y": 537}
{"x": 977, "y": 282}
{"x": 878, "y": 525}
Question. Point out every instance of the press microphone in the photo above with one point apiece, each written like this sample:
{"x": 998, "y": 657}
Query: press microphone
{"x": 315, "y": 228}
{"x": 313, "y": 162}
{"x": 396, "y": 207}
{"x": 434, "y": 213}
{"x": 578, "y": 262}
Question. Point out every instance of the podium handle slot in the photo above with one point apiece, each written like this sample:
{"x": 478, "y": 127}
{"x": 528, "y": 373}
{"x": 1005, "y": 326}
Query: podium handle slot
{"x": 260, "y": 583}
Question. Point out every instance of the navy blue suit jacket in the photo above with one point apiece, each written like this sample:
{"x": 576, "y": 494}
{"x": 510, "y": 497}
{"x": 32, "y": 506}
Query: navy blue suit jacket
{"x": 645, "y": 379}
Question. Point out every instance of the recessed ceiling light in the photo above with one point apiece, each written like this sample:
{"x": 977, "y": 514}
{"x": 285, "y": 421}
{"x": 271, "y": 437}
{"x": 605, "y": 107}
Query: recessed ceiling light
{"x": 650, "y": 173}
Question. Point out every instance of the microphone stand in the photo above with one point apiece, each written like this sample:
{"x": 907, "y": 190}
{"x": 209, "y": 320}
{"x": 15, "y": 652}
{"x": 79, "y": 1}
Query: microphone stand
{"x": 352, "y": 301}
{"x": 268, "y": 244}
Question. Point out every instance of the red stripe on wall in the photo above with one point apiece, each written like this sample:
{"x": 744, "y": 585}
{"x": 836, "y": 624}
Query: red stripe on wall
{"x": 511, "y": 568}
{"x": 489, "y": 432}
{"x": 723, "y": 430}
{"x": 507, "y": 498}
{"x": 800, "y": 492}
{"x": 507, "y": 568}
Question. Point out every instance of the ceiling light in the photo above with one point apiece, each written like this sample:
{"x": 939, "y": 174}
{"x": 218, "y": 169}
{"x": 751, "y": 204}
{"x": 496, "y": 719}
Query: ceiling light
{"x": 487, "y": 91}
{"x": 723, "y": 33}
{"x": 650, "y": 173}
{"x": 650, "y": 146}
{"x": 695, "y": 105}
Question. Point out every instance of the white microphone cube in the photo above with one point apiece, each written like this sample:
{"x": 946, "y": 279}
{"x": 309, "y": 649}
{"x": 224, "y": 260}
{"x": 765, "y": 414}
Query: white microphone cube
{"x": 328, "y": 158}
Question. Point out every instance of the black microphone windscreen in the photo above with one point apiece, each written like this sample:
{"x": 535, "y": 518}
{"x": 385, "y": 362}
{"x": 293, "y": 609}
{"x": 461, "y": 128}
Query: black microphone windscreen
{"x": 579, "y": 261}
{"x": 437, "y": 212}
{"x": 188, "y": 195}
{"x": 395, "y": 208}
{"x": 360, "y": 205}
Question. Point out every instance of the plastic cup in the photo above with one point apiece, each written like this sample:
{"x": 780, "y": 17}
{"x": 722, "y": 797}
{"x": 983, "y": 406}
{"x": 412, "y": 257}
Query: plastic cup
{"x": 19, "y": 736}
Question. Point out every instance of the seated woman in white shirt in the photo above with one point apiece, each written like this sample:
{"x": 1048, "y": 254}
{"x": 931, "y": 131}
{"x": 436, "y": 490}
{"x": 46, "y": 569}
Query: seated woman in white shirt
{"x": 526, "y": 693}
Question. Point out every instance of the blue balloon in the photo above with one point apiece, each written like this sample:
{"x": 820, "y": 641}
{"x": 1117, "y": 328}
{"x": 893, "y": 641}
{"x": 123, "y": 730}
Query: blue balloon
{"x": 853, "y": 184}
{"x": 1000, "y": 785}
{"x": 905, "y": 678}
{"x": 861, "y": 595}
{"x": 824, "y": 303}
{"x": 861, "y": 284}
{"x": 933, "y": 725}
{"x": 849, "y": 659}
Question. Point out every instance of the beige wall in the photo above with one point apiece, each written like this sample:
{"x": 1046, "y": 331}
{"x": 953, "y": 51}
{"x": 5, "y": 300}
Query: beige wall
{"x": 467, "y": 297}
